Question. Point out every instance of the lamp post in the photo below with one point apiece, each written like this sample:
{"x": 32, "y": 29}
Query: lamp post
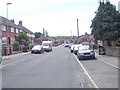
{"x": 8, "y": 29}
{"x": 77, "y": 28}
{"x": 77, "y": 31}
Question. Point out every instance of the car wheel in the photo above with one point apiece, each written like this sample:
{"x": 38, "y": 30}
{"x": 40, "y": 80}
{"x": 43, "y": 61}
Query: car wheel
{"x": 40, "y": 52}
{"x": 75, "y": 53}
{"x": 93, "y": 57}
{"x": 79, "y": 58}
{"x": 99, "y": 54}
{"x": 32, "y": 52}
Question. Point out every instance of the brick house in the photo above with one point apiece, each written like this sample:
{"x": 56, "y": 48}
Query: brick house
{"x": 29, "y": 33}
{"x": 9, "y": 32}
{"x": 84, "y": 38}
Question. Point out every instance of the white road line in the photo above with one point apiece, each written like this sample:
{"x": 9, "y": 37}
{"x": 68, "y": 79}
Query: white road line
{"x": 11, "y": 63}
{"x": 92, "y": 81}
{"x": 81, "y": 85}
{"x": 22, "y": 60}
{"x": 109, "y": 64}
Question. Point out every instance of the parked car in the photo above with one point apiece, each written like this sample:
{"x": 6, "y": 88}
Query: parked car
{"x": 66, "y": 45}
{"x": 86, "y": 43}
{"x": 84, "y": 52}
{"x": 71, "y": 48}
{"x": 75, "y": 48}
{"x": 37, "y": 49}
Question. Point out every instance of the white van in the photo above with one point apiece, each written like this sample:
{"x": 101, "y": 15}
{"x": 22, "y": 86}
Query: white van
{"x": 47, "y": 45}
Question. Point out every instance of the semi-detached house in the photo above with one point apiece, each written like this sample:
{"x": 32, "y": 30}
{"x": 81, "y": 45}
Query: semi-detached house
{"x": 9, "y": 32}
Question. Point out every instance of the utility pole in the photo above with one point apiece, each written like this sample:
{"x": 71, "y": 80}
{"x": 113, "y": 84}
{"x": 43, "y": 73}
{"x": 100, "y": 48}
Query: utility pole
{"x": 77, "y": 31}
{"x": 71, "y": 33}
{"x": 8, "y": 38}
{"x": 43, "y": 32}
{"x": 77, "y": 27}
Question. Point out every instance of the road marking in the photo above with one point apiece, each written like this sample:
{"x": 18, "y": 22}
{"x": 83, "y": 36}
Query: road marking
{"x": 92, "y": 81}
{"x": 81, "y": 85}
{"x": 109, "y": 64}
{"x": 14, "y": 62}
{"x": 11, "y": 63}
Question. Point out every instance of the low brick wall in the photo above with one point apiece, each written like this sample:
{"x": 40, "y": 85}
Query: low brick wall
{"x": 113, "y": 51}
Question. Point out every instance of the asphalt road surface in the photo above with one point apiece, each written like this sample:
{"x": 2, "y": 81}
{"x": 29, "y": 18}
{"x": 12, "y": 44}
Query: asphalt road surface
{"x": 57, "y": 69}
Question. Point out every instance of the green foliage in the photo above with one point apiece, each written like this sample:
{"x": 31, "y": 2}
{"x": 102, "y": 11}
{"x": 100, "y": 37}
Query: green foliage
{"x": 106, "y": 23}
{"x": 22, "y": 38}
{"x": 16, "y": 46}
{"x": 38, "y": 34}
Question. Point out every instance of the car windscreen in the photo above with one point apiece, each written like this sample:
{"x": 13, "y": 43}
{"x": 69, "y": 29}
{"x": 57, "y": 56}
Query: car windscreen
{"x": 84, "y": 48}
{"x": 36, "y": 47}
{"x": 46, "y": 44}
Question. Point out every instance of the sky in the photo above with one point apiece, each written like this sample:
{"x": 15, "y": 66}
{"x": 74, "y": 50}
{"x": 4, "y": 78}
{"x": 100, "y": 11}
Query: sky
{"x": 57, "y": 17}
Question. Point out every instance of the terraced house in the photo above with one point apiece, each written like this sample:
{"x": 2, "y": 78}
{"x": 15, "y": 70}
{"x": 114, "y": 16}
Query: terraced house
{"x": 9, "y": 32}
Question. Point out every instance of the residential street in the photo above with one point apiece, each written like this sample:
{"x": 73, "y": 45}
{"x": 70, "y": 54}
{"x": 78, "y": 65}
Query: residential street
{"x": 59, "y": 69}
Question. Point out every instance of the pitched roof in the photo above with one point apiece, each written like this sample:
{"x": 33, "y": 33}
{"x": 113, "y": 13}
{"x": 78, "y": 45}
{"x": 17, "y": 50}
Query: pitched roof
{"x": 25, "y": 29}
{"x": 5, "y": 21}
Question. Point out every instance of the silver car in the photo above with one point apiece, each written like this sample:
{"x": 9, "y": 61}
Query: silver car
{"x": 71, "y": 48}
{"x": 75, "y": 48}
{"x": 84, "y": 52}
{"x": 37, "y": 49}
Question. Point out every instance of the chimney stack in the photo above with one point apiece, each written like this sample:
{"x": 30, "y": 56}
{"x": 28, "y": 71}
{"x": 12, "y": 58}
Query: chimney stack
{"x": 12, "y": 20}
{"x": 20, "y": 23}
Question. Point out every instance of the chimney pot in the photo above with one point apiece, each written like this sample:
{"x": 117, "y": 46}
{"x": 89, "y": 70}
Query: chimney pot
{"x": 12, "y": 20}
{"x": 20, "y": 23}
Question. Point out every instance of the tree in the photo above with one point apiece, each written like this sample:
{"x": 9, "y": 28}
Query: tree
{"x": 38, "y": 34}
{"x": 23, "y": 39}
{"x": 16, "y": 46}
{"x": 106, "y": 23}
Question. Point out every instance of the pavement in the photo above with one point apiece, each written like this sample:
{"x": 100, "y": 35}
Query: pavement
{"x": 14, "y": 55}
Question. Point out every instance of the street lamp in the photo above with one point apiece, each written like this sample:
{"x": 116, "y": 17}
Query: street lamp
{"x": 7, "y": 8}
{"x": 7, "y": 27}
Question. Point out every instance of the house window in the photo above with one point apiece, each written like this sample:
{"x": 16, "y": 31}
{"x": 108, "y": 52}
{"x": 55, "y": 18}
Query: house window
{"x": 12, "y": 29}
{"x": 12, "y": 39}
{"x": 17, "y": 31}
{"x": 21, "y": 31}
{"x": 4, "y": 40}
{"x": 3, "y": 28}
